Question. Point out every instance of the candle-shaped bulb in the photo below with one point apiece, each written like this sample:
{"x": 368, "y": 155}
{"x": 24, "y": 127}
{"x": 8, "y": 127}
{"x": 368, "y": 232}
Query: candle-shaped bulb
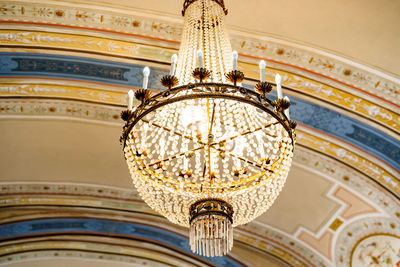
{"x": 146, "y": 73}
{"x": 130, "y": 99}
{"x": 200, "y": 58}
{"x": 235, "y": 58}
{"x": 287, "y": 110}
{"x": 262, "y": 66}
{"x": 174, "y": 59}
{"x": 278, "y": 80}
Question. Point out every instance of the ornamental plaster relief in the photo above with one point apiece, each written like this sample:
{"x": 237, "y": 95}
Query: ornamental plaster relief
{"x": 377, "y": 249}
{"x": 85, "y": 43}
{"x": 65, "y": 91}
{"x": 328, "y": 93}
{"x": 379, "y": 114}
{"x": 352, "y": 235}
{"x": 351, "y": 158}
{"x": 353, "y": 74}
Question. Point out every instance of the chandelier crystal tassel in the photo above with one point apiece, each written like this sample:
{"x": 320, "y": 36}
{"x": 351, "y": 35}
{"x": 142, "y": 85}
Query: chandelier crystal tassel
{"x": 207, "y": 153}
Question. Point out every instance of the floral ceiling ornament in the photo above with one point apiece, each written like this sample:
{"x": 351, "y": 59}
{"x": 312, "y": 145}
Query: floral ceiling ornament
{"x": 207, "y": 153}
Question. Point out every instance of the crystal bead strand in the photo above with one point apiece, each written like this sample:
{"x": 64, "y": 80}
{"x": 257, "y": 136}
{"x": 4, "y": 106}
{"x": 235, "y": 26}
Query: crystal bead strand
{"x": 204, "y": 26}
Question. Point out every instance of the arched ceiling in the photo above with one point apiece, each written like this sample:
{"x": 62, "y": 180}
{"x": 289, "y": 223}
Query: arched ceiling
{"x": 365, "y": 32}
{"x": 65, "y": 68}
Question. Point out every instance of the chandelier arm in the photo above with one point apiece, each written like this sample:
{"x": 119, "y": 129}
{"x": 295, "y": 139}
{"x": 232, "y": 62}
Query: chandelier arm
{"x": 172, "y": 131}
{"x": 210, "y": 138}
{"x": 212, "y": 121}
{"x": 276, "y": 161}
{"x": 248, "y": 132}
{"x": 209, "y": 164}
{"x": 175, "y": 156}
{"x": 204, "y": 169}
{"x": 242, "y": 159}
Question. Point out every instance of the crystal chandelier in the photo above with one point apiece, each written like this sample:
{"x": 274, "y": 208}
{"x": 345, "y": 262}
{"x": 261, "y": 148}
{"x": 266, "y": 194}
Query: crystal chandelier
{"x": 207, "y": 153}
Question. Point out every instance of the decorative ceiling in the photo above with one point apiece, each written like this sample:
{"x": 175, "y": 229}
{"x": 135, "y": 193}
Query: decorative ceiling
{"x": 66, "y": 195}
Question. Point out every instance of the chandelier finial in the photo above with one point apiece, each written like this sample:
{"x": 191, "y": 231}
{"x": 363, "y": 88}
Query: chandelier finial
{"x": 187, "y": 3}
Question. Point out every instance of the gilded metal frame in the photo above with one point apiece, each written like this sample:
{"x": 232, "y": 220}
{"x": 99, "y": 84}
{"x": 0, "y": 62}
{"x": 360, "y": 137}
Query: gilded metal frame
{"x": 208, "y": 90}
{"x": 211, "y": 207}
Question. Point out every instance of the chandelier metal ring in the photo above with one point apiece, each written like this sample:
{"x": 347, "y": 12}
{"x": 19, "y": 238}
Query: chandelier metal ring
{"x": 156, "y": 102}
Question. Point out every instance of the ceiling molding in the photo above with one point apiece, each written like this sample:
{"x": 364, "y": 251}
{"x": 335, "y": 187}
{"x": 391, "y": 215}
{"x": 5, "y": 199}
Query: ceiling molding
{"x": 356, "y": 76}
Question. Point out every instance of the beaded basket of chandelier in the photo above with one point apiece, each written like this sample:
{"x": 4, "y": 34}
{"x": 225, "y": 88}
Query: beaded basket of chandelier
{"x": 209, "y": 141}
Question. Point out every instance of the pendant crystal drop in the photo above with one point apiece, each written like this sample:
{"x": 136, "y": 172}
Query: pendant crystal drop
{"x": 213, "y": 234}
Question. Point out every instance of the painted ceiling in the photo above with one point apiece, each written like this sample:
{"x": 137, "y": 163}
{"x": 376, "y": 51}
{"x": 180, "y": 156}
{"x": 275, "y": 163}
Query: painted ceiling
{"x": 66, "y": 196}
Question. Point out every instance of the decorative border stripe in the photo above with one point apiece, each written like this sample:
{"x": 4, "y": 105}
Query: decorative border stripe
{"x": 98, "y": 19}
{"x": 99, "y": 226}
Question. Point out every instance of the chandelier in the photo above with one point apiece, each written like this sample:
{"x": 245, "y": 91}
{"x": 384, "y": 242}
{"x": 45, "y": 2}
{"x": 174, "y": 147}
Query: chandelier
{"x": 208, "y": 153}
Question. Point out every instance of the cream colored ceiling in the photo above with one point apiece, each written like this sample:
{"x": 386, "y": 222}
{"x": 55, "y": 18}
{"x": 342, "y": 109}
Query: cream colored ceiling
{"x": 302, "y": 202}
{"x": 62, "y": 151}
{"x": 366, "y": 31}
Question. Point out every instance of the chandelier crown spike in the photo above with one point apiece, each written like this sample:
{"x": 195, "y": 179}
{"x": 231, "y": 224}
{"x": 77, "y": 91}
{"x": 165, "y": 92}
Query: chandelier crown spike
{"x": 208, "y": 153}
{"x": 187, "y": 3}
